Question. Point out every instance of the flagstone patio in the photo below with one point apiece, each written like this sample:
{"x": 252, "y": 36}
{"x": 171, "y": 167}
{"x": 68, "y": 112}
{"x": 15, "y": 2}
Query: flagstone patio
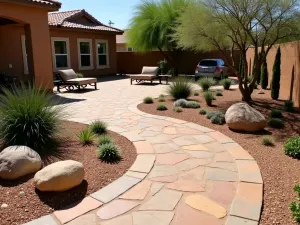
{"x": 184, "y": 173}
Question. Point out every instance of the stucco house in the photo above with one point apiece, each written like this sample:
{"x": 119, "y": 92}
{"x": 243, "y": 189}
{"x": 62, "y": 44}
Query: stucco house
{"x": 37, "y": 40}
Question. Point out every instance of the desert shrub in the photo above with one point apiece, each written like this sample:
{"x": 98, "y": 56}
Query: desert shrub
{"x": 98, "y": 127}
{"x": 162, "y": 108}
{"x": 148, "y": 100}
{"x": 162, "y": 96}
{"x": 79, "y": 75}
{"x": 295, "y": 206}
{"x": 292, "y": 147}
{"x": 275, "y": 84}
{"x": 217, "y": 118}
{"x": 202, "y": 111}
{"x": 180, "y": 103}
{"x": 289, "y": 106}
{"x": 109, "y": 153}
{"x": 219, "y": 93}
{"x": 226, "y": 83}
{"x": 276, "y": 123}
{"x": 192, "y": 105}
{"x": 161, "y": 100}
{"x": 104, "y": 139}
{"x": 86, "y": 137}
{"x": 180, "y": 88}
{"x": 206, "y": 82}
{"x": 196, "y": 94}
{"x": 267, "y": 141}
{"x": 28, "y": 118}
{"x": 177, "y": 109}
{"x": 209, "y": 97}
{"x": 275, "y": 113}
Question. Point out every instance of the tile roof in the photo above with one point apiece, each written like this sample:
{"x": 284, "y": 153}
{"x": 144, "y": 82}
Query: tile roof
{"x": 47, "y": 2}
{"x": 65, "y": 19}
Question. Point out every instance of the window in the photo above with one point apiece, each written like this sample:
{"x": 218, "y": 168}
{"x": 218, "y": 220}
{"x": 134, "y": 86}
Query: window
{"x": 130, "y": 49}
{"x": 85, "y": 54}
{"x": 102, "y": 54}
{"x": 25, "y": 55}
{"x": 60, "y": 52}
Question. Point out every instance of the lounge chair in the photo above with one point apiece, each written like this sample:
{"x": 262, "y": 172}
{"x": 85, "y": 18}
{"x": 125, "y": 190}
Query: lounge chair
{"x": 148, "y": 74}
{"x": 68, "y": 79}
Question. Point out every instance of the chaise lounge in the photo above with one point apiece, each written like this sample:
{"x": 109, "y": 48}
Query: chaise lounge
{"x": 68, "y": 79}
{"x": 148, "y": 74}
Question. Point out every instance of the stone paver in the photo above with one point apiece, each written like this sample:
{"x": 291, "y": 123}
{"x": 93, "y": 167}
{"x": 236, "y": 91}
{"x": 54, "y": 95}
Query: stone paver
{"x": 152, "y": 218}
{"x": 195, "y": 148}
{"x": 200, "y": 154}
{"x": 221, "y": 192}
{"x": 156, "y": 187}
{"x": 170, "y": 158}
{"x": 136, "y": 174}
{"x": 89, "y": 219}
{"x": 122, "y": 220}
{"x": 191, "y": 164}
{"x": 143, "y": 147}
{"x": 143, "y": 163}
{"x": 220, "y": 174}
{"x": 232, "y": 220}
{"x": 249, "y": 171}
{"x": 187, "y": 186}
{"x": 139, "y": 191}
{"x": 45, "y": 220}
{"x": 165, "y": 148}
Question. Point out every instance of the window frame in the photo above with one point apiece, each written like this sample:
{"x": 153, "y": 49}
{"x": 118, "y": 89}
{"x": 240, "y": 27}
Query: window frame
{"x": 129, "y": 48}
{"x": 25, "y": 55}
{"x": 53, "y": 40}
{"x": 90, "y": 41}
{"x": 107, "y": 54}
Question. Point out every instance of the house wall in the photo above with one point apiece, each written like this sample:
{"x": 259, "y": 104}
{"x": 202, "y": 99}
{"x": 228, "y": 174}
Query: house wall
{"x": 289, "y": 57}
{"x": 121, "y": 48}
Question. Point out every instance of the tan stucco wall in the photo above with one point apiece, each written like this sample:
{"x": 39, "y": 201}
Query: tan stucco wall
{"x": 121, "y": 48}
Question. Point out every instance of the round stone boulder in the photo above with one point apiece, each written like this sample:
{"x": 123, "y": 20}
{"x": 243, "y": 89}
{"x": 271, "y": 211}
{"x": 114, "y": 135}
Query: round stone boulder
{"x": 18, "y": 161}
{"x": 59, "y": 176}
{"x": 242, "y": 117}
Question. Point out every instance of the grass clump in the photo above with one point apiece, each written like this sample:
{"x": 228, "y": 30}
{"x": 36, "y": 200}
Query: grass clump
{"x": 206, "y": 82}
{"x": 295, "y": 206}
{"x": 86, "y": 137}
{"x": 219, "y": 93}
{"x": 226, "y": 83}
{"x": 162, "y": 96}
{"x": 192, "y": 105}
{"x": 181, "y": 103}
{"x": 98, "y": 127}
{"x": 276, "y": 123}
{"x": 292, "y": 147}
{"x": 180, "y": 88}
{"x": 177, "y": 109}
{"x": 217, "y": 118}
{"x": 28, "y": 118}
{"x": 267, "y": 141}
{"x": 104, "y": 139}
{"x": 161, "y": 99}
{"x": 148, "y": 100}
{"x": 202, "y": 112}
{"x": 109, "y": 153}
{"x": 162, "y": 108}
{"x": 209, "y": 97}
{"x": 196, "y": 94}
{"x": 289, "y": 106}
{"x": 275, "y": 113}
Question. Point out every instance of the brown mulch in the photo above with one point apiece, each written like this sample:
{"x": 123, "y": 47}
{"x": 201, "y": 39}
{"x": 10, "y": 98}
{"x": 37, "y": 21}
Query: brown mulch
{"x": 35, "y": 204}
{"x": 280, "y": 172}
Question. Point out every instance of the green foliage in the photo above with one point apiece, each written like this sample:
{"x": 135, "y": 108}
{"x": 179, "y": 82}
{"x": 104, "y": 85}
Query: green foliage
{"x": 219, "y": 93}
{"x": 108, "y": 153}
{"x": 267, "y": 141}
{"x": 28, "y": 118}
{"x": 275, "y": 87}
{"x": 202, "y": 112}
{"x": 162, "y": 66}
{"x": 162, "y": 96}
{"x": 180, "y": 88}
{"x": 249, "y": 79}
{"x": 289, "y": 106}
{"x": 86, "y": 137}
{"x": 148, "y": 100}
{"x": 264, "y": 78}
{"x": 209, "y": 97}
{"x": 276, "y": 123}
{"x": 226, "y": 83}
{"x": 266, "y": 105}
{"x": 216, "y": 117}
{"x": 161, "y": 100}
{"x": 209, "y": 115}
{"x": 162, "y": 108}
{"x": 292, "y": 147}
{"x": 104, "y": 139}
{"x": 180, "y": 103}
{"x": 295, "y": 206}
{"x": 177, "y": 109}
{"x": 196, "y": 94}
{"x": 98, "y": 127}
{"x": 192, "y": 105}
{"x": 79, "y": 75}
{"x": 206, "y": 82}
{"x": 276, "y": 113}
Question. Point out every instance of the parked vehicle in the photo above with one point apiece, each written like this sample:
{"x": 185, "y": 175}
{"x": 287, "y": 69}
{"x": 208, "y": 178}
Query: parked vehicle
{"x": 211, "y": 68}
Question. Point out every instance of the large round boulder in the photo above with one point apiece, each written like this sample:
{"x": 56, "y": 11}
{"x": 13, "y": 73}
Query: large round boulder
{"x": 59, "y": 176}
{"x": 242, "y": 117}
{"x": 18, "y": 161}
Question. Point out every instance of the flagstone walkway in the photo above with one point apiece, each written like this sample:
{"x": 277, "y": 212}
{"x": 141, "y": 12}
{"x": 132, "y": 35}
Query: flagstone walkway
{"x": 184, "y": 174}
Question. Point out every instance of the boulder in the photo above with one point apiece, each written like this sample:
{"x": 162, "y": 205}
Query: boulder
{"x": 59, "y": 176}
{"x": 18, "y": 161}
{"x": 242, "y": 117}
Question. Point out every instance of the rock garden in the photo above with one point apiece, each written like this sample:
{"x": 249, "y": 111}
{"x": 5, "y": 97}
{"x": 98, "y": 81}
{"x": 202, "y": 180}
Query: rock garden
{"x": 47, "y": 163}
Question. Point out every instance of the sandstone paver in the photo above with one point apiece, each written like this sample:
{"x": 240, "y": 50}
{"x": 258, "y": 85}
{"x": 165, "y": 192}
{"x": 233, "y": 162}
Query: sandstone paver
{"x": 218, "y": 136}
{"x": 221, "y": 192}
{"x": 143, "y": 163}
{"x": 48, "y": 220}
{"x": 249, "y": 171}
{"x": 166, "y": 179}
{"x": 156, "y": 187}
{"x": 136, "y": 174}
{"x": 89, "y": 219}
{"x": 170, "y": 130}
{"x": 138, "y": 192}
{"x": 152, "y": 218}
{"x": 165, "y": 148}
{"x": 121, "y": 220}
{"x": 170, "y": 158}
{"x": 200, "y": 154}
{"x": 220, "y": 174}
{"x": 162, "y": 171}
{"x": 187, "y": 186}
{"x": 224, "y": 165}
{"x": 233, "y": 220}
{"x": 195, "y": 148}
{"x": 191, "y": 164}
{"x": 237, "y": 151}
{"x": 143, "y": 147}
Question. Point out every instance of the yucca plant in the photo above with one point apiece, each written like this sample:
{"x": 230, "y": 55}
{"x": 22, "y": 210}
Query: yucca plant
{"x": 226, "y": 83}
{"x": 27, "y": 117}
{"x": 86, "y": 137}
{"x": 180, "y": 88}
{"x": 209, "y": 97}
{"x": 206, "y": 82}
{"x": 98, "y": 127}
{"x": 109, "y": 153}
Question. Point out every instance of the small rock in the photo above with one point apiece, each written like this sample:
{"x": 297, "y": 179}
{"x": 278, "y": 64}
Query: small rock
{"x": 26, "y": 210}
{"x": 3, "y": 206}
{"x": 22, "y": 193}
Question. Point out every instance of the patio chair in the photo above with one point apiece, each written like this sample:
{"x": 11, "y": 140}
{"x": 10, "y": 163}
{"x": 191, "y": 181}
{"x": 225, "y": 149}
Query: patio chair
{"x": 148, "y": 74}
{"x": 68, "y": 79}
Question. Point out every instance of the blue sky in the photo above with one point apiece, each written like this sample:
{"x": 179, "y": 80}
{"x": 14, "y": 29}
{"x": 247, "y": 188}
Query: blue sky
{"x": 118, "y": 11}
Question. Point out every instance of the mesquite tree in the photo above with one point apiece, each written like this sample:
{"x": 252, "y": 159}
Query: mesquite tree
{"x": 238, "y": 24}
{"x": 275, "y": 86}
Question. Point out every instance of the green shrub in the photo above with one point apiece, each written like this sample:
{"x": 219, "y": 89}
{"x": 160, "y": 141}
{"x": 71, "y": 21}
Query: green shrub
{"x": 162, "y": 108}
{"x": 289, "y": 106}
{"x": 161, "y": 100}
{"x": 28, "y": 118}
{"x": 181, "y": 103}
{"x": 206, "y": 82}
{"x": 226, "y": 83}
{"x": 180, "y": 88}
{"x": 79, "y": 75}
{"x": 267, "y": 141}
{"x": 192, "y": 105}
{"x": 295, "y": 206}
{"x": 219, "y": 93}
{"x": 217, "y": 118}
{"x": 202, "y": 112}
{"x": 86, "y": 137}
{"x": 276, "y": 113}
{"x": 98, "y": 127}
{"x": 177, "y": 109}
{"x": 276, "y": 123}
{"x": 267, "y": 106}
{"x": 209, "y": 97}
{"x": 148, "y": 100}
{"x": 264, "y": 78}
{"x": 292, "y": 147}
{"x": 162, "y": 96}
{"x": 196, "y": 94}
{"x": 104, "y": 139}
{"x": 209, "y": 115}
{"x": 108, "y": 153}
{"x": 249, "y": 79}
{"x": 275, "y": 86}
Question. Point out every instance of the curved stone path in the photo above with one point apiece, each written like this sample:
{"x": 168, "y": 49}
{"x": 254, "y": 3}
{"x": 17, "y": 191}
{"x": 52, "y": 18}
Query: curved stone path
{"x": 184, "y": 173}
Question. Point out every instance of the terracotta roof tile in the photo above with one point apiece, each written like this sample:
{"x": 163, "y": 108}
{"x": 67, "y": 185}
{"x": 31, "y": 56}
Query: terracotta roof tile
{"x": 48, "y": 2}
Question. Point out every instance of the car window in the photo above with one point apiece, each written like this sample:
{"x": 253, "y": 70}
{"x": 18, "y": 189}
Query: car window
{"x": 208, "y": 63}
{"x": 222, "y": 63}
